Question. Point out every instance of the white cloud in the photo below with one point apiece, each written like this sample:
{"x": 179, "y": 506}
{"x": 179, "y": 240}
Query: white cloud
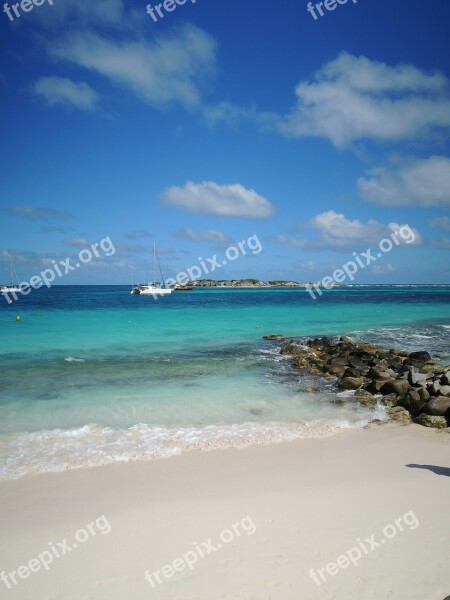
{"x": 59, "y": 90}
{"x": 205, "y": 236}
{"x": 422, "y": 182}
{"x": 170, "y": 69}
{"x": 354, "y": 98}
{"x": 209, "y": 198}
{"x": 440, "y": 223}
{"x": 334, "y": 231}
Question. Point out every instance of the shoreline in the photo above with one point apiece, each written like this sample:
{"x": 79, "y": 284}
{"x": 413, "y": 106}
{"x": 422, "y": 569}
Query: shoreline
{"x": 308, "y": 499}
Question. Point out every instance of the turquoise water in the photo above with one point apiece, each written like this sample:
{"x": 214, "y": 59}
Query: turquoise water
{"x": 92, "y": 375}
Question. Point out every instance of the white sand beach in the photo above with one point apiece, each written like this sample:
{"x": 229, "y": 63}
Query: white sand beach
{"x": 295, "y": 506}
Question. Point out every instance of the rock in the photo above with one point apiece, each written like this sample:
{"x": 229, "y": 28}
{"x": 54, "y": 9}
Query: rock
{"x": 337, "y": 370}
{"x": 357, "y": 363}
{"x": 351, "y": 383}
{"x": 375, "y": 386}
{"x": 431, "y": 421}
{"x": 445, "y": 379}
{"x": 415, "y": 378}
{"x": 390, "y": 400}
{"x": 430, "y": 368}
{"x": 310, "y": 390}
{"x": 274, "y": 336}
{"x": 394, "y": 362}
{"x": 433, "y": 388}
{"x": 404, "y": 402}
{"x": 301, "y": 363}
{"x": 423, "y": 394}
{"x": 396, "y": 386}
{"x": 416, "y": 404}
{"x": 422, "y": 356}
{"x": 315, "y": 371}
{"x": 379, "y": 373}
{"x": 350, "y": 372}
{"x": 437, "y": 406}
{"x": 337, "y": 361}
{"x": 291, "y": 348}
{"x": 399, "y": 414}
{"x": 347, "y": 340}
{"x": 445, "y": 390}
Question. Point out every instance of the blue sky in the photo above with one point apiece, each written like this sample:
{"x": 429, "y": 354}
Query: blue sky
{"x": 220, "y": 121}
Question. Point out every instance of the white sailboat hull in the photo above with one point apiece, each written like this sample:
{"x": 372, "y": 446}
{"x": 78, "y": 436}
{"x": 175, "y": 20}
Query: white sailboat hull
{"x": 148, "y": 290}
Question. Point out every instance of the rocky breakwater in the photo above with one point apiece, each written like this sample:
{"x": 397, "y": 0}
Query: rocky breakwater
{"x": 410, "y": 385}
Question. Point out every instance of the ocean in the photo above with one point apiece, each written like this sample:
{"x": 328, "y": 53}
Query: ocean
{"x": 92, "y": 375}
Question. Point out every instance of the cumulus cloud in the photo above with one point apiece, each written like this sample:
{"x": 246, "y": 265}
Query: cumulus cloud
{"x": 209, "y": 198}
{"x": 172, "y": 68}
{"x": 59, "y": 90}
{"x": 353, "y": 98}
{"x": 421, "y": 182}
{"x": 44, "y": 212}
{"x": 332, "y": 230}
{"x": 204, "y": 236}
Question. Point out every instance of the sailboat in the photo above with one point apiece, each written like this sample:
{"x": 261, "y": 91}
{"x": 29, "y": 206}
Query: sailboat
{"x": 155, "y": 288}
{"x": 6, "y": 289}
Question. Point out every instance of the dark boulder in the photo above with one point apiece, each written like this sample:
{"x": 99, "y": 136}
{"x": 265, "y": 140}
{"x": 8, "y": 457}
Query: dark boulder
{"x": 421, "y": 356}
{"x": 380, "y": 373}
{"x": 396, "y": 386}
{"x": 437, "y": 406}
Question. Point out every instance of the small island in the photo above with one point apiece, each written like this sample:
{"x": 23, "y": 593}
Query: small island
{"x": 247, "y": 283}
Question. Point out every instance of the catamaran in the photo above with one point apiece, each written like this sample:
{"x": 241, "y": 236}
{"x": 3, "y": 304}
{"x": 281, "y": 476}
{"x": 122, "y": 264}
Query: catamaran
{"x": 6, "y": 289}
{"x": 155, "y": 288}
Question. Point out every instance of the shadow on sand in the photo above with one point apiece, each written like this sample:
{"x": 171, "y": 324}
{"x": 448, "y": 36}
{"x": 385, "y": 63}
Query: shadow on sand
{"x": 445, "y": 471}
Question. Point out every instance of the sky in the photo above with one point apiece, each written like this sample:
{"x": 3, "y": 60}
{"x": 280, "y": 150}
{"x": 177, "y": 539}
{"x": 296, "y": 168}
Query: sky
{"x": 220, "y": 121}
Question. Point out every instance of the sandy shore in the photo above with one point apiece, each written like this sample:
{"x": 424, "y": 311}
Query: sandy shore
{"x": 294, "y": 506}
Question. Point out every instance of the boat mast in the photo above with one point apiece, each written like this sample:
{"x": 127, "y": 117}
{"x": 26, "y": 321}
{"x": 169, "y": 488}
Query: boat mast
{"x": 13, "y": 270}
{"x": 154, "y": 262}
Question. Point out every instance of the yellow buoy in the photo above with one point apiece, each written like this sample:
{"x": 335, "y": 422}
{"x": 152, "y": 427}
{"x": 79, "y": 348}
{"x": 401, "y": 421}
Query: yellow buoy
{"x": 17, "y": 317}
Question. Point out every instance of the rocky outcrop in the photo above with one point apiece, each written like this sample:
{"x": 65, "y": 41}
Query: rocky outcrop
{"x": 410, "y": 385}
